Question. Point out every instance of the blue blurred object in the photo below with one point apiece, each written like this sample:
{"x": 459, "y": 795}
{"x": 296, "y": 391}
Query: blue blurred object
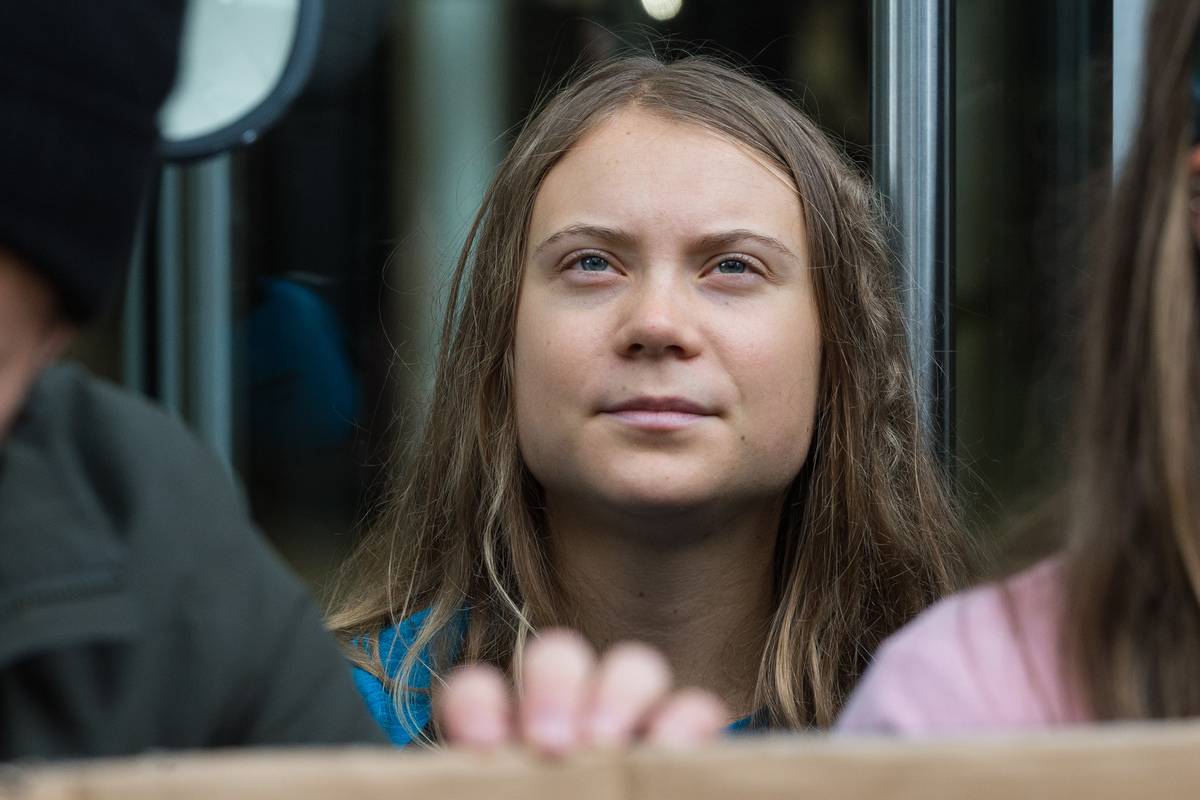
{"x": 304, "y": 394}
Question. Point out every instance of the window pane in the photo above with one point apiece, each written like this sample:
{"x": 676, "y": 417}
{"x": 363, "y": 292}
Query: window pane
{"x": 1033, "y": 128}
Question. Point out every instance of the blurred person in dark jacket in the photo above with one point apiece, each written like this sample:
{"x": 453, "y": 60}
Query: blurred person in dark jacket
{"x": 139, "y": 608}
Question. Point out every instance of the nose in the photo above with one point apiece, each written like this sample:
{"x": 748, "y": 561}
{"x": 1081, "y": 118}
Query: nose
{"x": 659, "y": 320}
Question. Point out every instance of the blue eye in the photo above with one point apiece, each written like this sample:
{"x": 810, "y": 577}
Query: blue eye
{"x": 731, "y": 266}
{"x": 593, "y": 263}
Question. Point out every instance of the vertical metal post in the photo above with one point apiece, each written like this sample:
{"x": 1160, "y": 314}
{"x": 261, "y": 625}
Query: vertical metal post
{"x": 1128, "y": 44}
{"x": 456, "y": 69}
{"x": 210, "y": 299}
{"x": 912, "y": 130}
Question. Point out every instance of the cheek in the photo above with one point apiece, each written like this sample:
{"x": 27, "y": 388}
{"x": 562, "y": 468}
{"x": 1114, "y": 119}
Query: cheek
{"x": 541, "y": 357}
{"x": 780, "y": 373}
{"x": 550, "y": 367}
{"x": 529, "y": 372}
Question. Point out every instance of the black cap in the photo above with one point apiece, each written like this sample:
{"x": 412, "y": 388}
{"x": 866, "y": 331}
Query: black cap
{"x": 81, "y": 83}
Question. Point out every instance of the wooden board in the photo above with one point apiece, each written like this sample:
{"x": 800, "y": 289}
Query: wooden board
{"x": 1138, "y": 762}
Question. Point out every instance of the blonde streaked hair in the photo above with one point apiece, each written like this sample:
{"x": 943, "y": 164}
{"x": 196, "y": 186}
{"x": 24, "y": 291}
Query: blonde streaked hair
{"x": 867, "y": 538}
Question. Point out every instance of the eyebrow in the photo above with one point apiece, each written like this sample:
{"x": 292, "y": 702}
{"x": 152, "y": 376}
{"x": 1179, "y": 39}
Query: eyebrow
{"x": 714, "y": 241}
{"x": 710, "y": 241}
{"x": 587, "y": 231}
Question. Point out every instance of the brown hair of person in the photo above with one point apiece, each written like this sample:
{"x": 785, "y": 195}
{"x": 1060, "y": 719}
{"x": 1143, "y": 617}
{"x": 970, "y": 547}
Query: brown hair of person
{"x": 1132, "y": 505}
{"x": 868, "y": 536}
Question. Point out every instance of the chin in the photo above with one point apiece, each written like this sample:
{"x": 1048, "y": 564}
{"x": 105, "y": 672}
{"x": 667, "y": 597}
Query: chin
{"x": 663, "y": 498}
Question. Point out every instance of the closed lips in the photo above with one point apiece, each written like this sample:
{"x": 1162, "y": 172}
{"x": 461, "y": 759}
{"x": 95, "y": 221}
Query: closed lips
{"x": 668, "y": 405}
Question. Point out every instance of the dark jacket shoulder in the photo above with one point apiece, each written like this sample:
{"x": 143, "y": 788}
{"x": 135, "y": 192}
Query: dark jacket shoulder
{"x": 139, "y": 607}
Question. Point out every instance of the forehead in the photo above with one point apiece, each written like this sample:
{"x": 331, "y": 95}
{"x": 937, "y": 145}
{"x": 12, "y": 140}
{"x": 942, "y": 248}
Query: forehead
{"x": 641, "y": 170}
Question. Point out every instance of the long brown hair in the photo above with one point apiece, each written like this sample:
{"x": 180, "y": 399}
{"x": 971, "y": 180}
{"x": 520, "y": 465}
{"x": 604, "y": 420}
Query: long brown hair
{"x": 1132, "y": 507}
{"x": 868, "y": 536}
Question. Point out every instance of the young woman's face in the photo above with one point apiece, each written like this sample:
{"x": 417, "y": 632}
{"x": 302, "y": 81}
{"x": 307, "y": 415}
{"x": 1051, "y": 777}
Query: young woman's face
{"x": 667, "y": 351}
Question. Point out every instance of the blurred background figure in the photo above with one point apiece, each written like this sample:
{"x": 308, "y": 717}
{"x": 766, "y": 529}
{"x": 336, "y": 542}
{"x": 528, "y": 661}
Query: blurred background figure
{"x": 1107, "y": 627}
{"x": 138, "y": 607}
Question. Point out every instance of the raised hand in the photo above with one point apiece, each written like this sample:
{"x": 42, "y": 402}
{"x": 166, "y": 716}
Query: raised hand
{"x": 569, "y": 700}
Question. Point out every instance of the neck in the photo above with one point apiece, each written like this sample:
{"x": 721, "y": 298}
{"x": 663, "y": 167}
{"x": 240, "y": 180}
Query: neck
{"x": 695, "y": 585}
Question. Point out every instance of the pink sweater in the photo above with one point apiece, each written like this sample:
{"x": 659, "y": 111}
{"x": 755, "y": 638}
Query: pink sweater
{"x": 977, "y": 661}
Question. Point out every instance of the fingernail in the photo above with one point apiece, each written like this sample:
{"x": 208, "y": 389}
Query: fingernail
{"x": 605, "y": 730}
{"x": 552, "y": 731}
{"x": 485, "y": 733}
{"x": 676, "y": 737}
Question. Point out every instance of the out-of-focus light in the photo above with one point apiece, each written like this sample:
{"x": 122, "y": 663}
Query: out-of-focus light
{"x": 662, "y": 10}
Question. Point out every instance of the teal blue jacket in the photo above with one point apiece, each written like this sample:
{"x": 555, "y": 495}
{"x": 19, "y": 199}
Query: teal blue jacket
{"x": 394, "y": 644}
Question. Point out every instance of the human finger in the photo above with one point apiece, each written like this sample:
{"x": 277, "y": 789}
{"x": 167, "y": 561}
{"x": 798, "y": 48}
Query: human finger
{"x": 631, "y": 680}
{"x": 688, "y": 718}
{"x": 474, "y": 708}
{"x": 555, "y": 673}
